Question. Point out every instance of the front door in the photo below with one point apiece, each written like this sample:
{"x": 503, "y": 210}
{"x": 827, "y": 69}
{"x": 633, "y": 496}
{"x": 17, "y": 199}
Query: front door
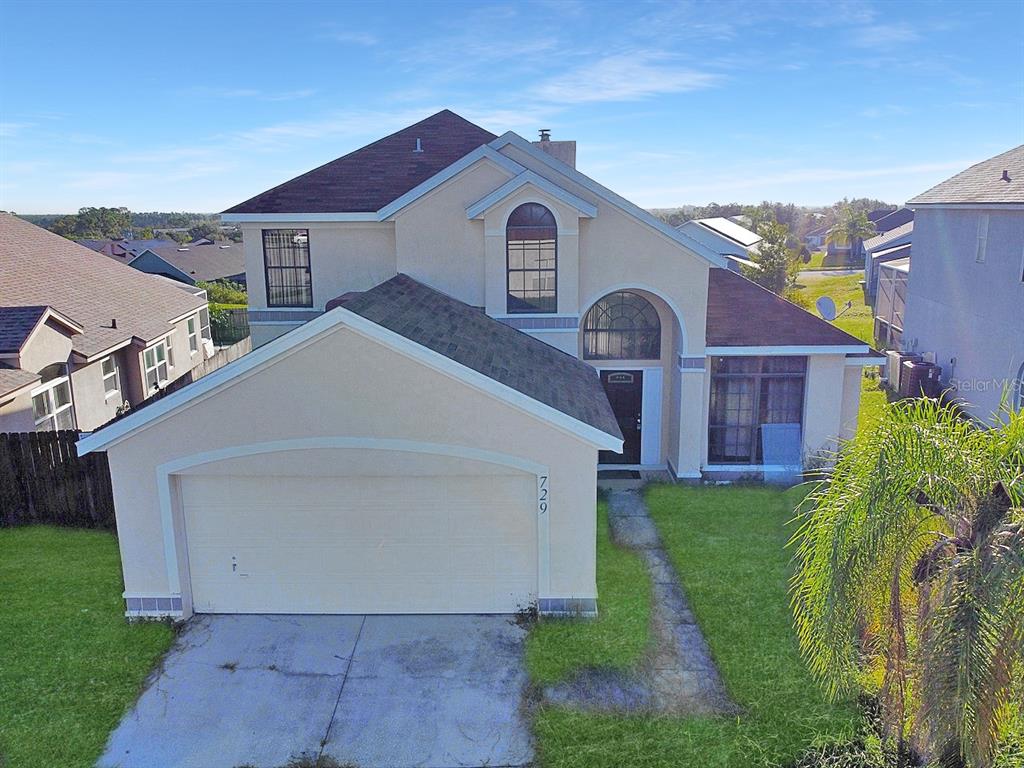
{"x": 625, "y": 393}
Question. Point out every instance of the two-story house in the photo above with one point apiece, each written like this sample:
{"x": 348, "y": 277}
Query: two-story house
{"x": 82, "y": 337}
{"x": 452, "y": 331}
{"x": 965, "y": 295}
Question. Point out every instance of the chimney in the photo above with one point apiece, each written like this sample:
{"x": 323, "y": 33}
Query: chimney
{"x": 560, "y": 150}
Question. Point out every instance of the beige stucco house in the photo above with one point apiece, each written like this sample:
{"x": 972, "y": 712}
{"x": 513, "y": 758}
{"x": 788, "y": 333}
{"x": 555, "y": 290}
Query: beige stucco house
{"x": 82, "y": 336}
{"x": 453, "y": 331}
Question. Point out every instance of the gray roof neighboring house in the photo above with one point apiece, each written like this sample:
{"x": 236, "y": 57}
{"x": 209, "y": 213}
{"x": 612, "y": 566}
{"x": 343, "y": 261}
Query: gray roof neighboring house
{"x": 13, "y": 379}
{"x": 999, "y": 179}
{"x": 896, "y": 218}
{"x": 123, "y": 250}
{"x": 39, "y": 268}
{"x": 468, "y": 336}
{"x": 206, "y": 262}
{"x": 879, "y": 241}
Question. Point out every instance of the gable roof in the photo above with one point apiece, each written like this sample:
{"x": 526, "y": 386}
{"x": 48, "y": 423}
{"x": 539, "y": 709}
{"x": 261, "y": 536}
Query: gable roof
{"x": 876, "y": 242}
{"x": 731, "y": 230}
{"x": 896, "y": 218}
{"x": 18, "y": 323}
{"x": 982, "y": 183}
{"x": 743, "y": 314}
{"x": 204, "y": 262}
{"x": 878, "y": 214}
{"x": 468, "y": 336}
{"x": 39, "y": 268}
{"x": 124, "y": 250}
{"x": 370, "y": 178}
{"x": 13, "y": 379}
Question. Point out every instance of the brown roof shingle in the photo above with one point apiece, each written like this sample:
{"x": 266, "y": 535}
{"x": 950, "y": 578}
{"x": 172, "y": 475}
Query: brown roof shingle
{"x": 743, "y": 314}
{"x": 468, "y": 336}
{"x": 15, "y": 378}
{"x": 982, "y": 183}
{"x": 369, "y": 178}
{"x": 38, "y": 267}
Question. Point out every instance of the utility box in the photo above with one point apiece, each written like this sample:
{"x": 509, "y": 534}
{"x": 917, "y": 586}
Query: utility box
{"x": 894, "y": 367}
{"x": 920, "y": 378}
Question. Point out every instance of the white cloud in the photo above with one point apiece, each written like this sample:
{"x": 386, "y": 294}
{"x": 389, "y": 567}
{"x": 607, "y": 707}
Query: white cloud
{"x": 883, "y": 36}
{"x": 623, "y": 77}
{"x": 350, "y": 36}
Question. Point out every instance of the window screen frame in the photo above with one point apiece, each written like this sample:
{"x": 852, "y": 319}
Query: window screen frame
{"x": 758, "y": 375}
{"x": 509, "y": 270}
{"x": 641, "y": 308}
{"x": 280, "y": 269}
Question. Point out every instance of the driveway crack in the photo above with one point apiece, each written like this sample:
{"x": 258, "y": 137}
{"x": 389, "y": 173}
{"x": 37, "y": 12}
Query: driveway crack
{"x": 341, "y": 690}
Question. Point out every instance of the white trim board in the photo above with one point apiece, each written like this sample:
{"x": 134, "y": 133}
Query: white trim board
{"x": 836, "y": 349}
{"x": 308, "y": 333}
{"x": 486, "y": 203}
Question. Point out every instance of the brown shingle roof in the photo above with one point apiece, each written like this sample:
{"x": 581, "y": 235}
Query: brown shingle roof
{"x": 370, "y": 178}
{"x": 982, "y": 183}
{"x": 468, "y": 336}
{"x": 38, "y": 267}
{"x": 743, "y": 314}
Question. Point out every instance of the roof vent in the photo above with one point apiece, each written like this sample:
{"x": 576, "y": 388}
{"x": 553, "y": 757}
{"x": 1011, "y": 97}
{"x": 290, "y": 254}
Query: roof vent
{"x": 1006, "y": 175}
{"x": 545, "y": 134}
{"x": 419, "y": 145}
{"x": 222, "y": 247}
{"x": 182, "y": 249}
{"x": 113, "y": 322}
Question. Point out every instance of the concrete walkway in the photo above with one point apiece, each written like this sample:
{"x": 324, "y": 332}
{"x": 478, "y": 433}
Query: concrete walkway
{"x": 679, "y": 675}
{"x": 369, "y": 691}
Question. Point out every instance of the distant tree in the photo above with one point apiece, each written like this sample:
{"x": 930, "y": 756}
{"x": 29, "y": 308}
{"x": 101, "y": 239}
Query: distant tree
{"x": 207, "y": 229}
{"x": 96, "y": 223}
{"x": 851, "y": 227}
{"x": 776, "y": 268}
{"x": 235, "y": 235}
{"x": 146, "y": 233}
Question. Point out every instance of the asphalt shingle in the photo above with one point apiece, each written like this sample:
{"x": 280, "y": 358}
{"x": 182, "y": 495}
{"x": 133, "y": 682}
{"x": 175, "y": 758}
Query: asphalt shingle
{"x": 468, "y": 336}
{"x": 16, "y": 323}
{"x": 982, "y": 183}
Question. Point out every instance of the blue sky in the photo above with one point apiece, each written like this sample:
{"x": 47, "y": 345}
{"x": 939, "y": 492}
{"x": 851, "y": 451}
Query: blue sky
{"x": 197, "y": 106}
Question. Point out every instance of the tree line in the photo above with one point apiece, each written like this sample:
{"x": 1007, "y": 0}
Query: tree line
{"x": 113, "y": 223}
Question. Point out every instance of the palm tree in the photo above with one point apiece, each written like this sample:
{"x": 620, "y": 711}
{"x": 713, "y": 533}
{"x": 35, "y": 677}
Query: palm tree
{"x": 850, "y": 228}
{"x": 910, "y": 567}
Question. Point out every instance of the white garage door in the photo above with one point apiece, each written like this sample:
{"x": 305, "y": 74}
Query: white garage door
{"x": 461, "y": 544}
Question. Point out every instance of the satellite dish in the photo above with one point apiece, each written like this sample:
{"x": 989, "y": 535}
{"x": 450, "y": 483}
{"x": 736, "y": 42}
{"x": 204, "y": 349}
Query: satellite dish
{"x": 826, "y": 308}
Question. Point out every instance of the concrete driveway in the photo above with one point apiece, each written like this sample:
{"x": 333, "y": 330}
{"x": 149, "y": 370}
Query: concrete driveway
{"x": 394, "y": 691}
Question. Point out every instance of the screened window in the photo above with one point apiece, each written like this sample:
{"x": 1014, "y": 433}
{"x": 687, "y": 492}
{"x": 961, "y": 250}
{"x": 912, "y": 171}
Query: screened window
{"x": 531, "y": 239}
{"x": 111, "y": 379}
{"x": 622, "y": 326}
{"x": 51, "y": 403}
{"x": 748, "y": 393}
{"x": 286, "y": 264}
{"x": 155, "y": 359}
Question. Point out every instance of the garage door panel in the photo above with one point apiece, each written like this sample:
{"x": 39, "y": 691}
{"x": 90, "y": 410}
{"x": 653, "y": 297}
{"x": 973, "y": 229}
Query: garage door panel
{"x": 361, "y": 545}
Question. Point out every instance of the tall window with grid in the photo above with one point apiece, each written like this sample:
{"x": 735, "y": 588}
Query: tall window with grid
{"x": 286, "y": 267}
{"x": 531, "y": 239}
{"x": 748, "y": 393}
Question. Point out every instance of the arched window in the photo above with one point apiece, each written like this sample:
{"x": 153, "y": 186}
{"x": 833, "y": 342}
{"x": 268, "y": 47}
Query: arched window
{"x": 531, "y": 240}
{"x": 622, "y": 326}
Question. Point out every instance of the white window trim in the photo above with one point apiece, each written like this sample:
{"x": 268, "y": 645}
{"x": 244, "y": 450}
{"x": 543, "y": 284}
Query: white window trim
{"x": 108, "y": 393}
{"x": 982, "y": 244}
{"x": 191, "y": 326}
{"x": 47, "y": 389}
{"x": 147, "y": 369}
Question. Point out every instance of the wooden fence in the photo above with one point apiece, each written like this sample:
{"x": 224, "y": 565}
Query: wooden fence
{"x": 43, "y": 480}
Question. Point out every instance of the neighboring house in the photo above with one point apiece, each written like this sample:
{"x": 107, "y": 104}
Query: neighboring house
{"x": 453, "y": 331}
{"x": 816, "y": 238}
{"x": 724, "y": 237}
{"x": 201, "y": 259}
{"x": 891, "y": 301}
{"x": 894, "y": 244}
{"x": 81, "y": 335}
{"x": 965, "y": 298}
{"x": 894, "y": 219}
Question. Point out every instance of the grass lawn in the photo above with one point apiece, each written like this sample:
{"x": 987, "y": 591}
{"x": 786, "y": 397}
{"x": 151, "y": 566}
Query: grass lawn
{"x": 858, "y": 320}
{"x": 69, "y": 663}
{"x": 728, "y": 546}
{"x": 617, "y": 638}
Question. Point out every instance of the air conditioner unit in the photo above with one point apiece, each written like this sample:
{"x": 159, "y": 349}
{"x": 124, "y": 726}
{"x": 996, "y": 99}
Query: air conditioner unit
{"x": 894, "y": 367}
{"x": 920, "y": 378}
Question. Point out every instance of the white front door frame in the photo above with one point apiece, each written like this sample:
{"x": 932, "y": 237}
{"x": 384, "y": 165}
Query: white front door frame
{"x": 650, "y": 409}
{"x": 172, "y": 513}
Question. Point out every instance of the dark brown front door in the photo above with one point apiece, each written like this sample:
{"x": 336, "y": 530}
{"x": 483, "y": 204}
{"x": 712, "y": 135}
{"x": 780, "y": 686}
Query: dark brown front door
{"x": 625, "y": 393}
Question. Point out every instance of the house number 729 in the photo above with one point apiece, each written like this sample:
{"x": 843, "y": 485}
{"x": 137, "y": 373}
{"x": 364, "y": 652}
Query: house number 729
{"x": 542, "y": 494}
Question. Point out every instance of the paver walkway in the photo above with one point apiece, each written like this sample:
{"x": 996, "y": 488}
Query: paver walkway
{"x": 679, "y": 676}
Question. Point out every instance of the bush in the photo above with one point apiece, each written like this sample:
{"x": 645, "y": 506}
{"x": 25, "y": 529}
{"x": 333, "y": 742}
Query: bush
{"x": 224, "y": 292}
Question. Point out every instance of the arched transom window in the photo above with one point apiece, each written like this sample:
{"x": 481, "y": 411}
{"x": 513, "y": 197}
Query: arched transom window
{"x": 531, "y": 239}
{"x": 622, "y": 326}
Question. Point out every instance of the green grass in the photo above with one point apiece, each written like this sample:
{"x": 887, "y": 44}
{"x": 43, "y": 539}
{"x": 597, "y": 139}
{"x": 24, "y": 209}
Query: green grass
{"x": 214, "y": 306}
{"x": 858, "y": 320}
{"x": 69, "y": 662}
{"x": 728, "y": 546}
{"x": 818, "y": 260}
{"x": 617, "y": 638}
